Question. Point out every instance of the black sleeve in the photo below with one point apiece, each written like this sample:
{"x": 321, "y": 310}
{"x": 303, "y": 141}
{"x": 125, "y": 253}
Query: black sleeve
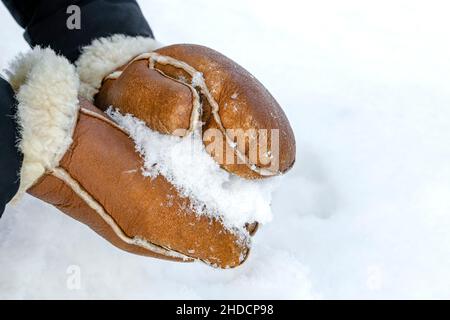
{"x": 10, "y": 157}
{"x": 45, "y": 22}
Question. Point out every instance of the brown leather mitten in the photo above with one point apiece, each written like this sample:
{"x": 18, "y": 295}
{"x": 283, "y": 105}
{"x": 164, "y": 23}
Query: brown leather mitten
{"x": 191, "y": 87}
{"x": 79, "y": 160}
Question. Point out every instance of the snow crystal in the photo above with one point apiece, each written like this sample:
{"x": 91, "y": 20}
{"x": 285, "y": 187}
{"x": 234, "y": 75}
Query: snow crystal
{"x": 197, "y": 79}
{"x": 186, "y": 164}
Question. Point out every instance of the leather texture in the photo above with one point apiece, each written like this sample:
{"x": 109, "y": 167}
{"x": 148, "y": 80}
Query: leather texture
{"x": 162, "y": 97}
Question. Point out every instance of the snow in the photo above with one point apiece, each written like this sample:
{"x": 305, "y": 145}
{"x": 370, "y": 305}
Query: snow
{"x": 365, "y": 213}
{"x": 197, "y": 79}
{"x": 186, "y": 164}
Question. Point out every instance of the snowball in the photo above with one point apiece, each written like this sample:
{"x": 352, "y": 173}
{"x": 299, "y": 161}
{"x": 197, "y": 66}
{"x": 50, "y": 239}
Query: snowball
{"x": 194, "y": 173}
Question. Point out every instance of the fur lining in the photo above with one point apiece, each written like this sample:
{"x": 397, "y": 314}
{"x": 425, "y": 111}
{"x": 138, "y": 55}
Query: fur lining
{"x": 104, "y": 55}
{"x": 46, "y": 87}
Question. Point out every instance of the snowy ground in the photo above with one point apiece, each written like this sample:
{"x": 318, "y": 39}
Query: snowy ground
{"x": 366, "y": 211}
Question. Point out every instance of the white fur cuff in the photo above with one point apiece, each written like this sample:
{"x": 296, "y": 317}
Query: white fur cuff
{"x": 105, "y": 55}
{"x": 46, "y": 87}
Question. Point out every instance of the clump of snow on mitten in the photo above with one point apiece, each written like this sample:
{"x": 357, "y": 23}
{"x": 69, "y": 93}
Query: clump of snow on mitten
{"x": 186, "y": 164}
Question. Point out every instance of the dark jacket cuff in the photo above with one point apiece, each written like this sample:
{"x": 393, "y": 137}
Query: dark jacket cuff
{"x": 10, "y": 156}
{"x": 99, "y": 18}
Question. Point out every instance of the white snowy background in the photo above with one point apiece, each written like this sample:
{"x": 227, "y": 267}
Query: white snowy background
{"x": 365, "y": 213}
